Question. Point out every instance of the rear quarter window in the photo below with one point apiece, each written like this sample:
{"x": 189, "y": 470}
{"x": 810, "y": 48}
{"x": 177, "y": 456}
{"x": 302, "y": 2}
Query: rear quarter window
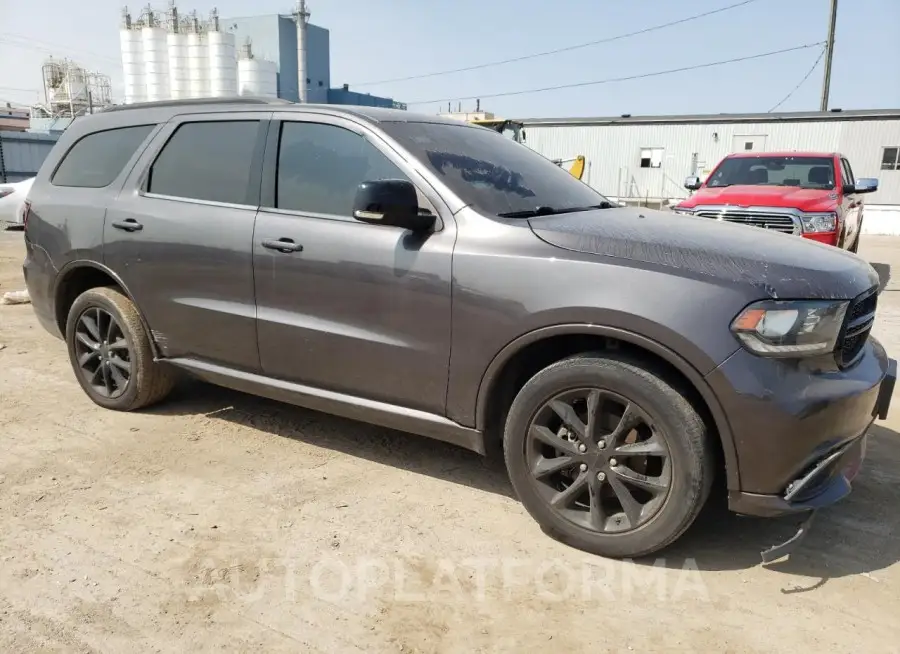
{"x": 97, "y": 159}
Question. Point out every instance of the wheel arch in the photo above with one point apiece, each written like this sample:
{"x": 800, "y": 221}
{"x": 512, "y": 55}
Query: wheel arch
{"x": 78, "y": 276}
{"x": 579, "y": 338}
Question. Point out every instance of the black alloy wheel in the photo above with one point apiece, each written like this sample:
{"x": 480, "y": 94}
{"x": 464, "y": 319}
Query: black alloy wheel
{"x": 103, "y": 354}
{"x": 598, "y": 460}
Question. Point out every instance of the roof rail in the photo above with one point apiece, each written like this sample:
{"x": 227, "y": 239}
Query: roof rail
{"x": 189, "y": 102}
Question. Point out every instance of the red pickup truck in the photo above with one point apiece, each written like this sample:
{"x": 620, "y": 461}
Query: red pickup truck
{"x": 809, "y": 194}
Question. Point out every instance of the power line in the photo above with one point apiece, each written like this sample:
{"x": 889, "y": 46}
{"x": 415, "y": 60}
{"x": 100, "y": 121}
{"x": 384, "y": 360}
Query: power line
{"x": 610, "y": 80}
{"x": 805, "y": 77}
{"x": 44, "y": 46}
{"x": 566, "y": 49}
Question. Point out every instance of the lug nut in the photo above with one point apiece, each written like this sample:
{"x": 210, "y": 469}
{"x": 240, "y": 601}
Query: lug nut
{"x": 601, "y": 476}
{"x": 602, "y": 445}
{"x": 582, "y": 447}
{"x": 613, "y": 463}
{"x": 583, "y": 467}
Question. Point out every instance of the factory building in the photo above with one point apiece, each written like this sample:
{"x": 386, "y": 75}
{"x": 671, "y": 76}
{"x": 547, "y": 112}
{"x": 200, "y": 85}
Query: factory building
{"x": 645, "y": 159}
{"x": 167, "y": 54}
{"x": 274, "y": 38}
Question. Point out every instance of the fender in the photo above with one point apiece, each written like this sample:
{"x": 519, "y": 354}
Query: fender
{"x": 72, "y": 266}
{"x": 668, "y": 355}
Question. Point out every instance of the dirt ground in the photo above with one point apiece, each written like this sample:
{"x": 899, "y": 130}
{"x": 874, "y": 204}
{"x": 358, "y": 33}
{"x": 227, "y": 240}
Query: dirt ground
{"x": 222, "y": 522}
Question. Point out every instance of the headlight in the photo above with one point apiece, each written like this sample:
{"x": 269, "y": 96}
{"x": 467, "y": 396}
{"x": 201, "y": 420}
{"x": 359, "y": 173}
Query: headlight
{"x": 685, "y": 212}
{"x": 790, "y": 329}
{"x": 818, "y": 222}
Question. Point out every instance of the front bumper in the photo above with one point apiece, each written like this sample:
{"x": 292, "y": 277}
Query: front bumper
{"x": 799, "y": 427}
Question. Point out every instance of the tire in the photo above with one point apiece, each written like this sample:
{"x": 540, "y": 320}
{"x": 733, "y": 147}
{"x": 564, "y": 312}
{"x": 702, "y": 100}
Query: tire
{"x": 855, "y": 247}
{"x": 670, "y": 417}
{"x": 147, "y": 381}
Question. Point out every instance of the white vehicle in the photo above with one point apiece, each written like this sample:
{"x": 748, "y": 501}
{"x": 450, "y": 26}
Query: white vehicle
{"x": 12, "y": 202}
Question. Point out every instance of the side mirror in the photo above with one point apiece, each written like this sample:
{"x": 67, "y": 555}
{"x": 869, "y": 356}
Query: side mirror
{"x": 692, "y": 183}
{"x": 392, "y": 202}
{"x": 865, "y": 185}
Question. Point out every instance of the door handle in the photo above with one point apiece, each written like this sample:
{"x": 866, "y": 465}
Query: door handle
{"x": 285, "y": 245}
{"x": 128, "y": 225}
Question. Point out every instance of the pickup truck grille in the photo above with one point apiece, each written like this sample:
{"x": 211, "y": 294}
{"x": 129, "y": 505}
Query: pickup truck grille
{"x": 857, "y": 325}
{"x": 777, "y": 222}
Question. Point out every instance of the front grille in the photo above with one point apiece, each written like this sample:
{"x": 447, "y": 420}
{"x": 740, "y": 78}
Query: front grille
{"x": 777, "y": 222}
{"x": 857, "y": 324}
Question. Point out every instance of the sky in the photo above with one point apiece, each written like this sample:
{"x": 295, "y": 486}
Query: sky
{"x": 376, "y": 40}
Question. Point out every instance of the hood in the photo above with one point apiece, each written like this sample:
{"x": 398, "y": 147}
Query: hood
{"x": 778, "y": 265}
{"x": 804, "y": 199}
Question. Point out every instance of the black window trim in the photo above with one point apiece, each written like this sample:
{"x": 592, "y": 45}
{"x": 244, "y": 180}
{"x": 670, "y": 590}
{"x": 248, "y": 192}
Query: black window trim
{"x": 270, "y": 168}
{"x": 126, "y": 169}
{"x": 255, "y": 168}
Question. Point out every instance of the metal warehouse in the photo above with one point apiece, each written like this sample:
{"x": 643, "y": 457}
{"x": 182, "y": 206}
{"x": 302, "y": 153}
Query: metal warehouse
{"x": 646, "y": 158}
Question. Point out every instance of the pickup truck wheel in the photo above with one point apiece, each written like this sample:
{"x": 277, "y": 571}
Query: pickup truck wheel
{"x": 607, "y": 456}
{"x": 110, "y": 352}
{"x": 855, "y": 247}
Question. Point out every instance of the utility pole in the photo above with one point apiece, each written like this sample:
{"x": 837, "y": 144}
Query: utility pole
{"x": 829, "y": 53}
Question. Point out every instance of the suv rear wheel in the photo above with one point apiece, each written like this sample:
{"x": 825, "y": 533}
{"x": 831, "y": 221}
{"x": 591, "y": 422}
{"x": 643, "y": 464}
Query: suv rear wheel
{"x": 607, "y": 456}
{"x": 110, "y": 352}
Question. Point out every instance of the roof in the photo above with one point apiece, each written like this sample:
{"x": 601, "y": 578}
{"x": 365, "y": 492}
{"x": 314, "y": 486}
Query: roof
{"x": 783, "y": 153}
{"x": 791, "y": 116}
{"x": 250, "y": 103}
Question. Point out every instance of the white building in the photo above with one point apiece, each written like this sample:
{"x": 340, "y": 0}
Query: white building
{"x": 647, "y": 157}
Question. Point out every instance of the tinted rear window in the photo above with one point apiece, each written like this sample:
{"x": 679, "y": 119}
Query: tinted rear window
{"x": 207, "y": 161}
{"x": 97, "y": 159}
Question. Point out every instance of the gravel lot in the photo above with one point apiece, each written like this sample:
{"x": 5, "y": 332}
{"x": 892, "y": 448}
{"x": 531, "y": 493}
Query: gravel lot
{"x": 218, "y": 521}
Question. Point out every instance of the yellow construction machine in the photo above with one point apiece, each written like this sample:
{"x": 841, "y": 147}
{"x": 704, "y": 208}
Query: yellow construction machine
{"x": 515, "y": 130}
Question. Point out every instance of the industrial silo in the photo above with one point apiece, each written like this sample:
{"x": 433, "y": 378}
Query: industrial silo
{"x": 132, "y": 61}
{"x": 176, "y": 42}
{"x": 156, "y": 59}
{"x": 222, "y": 60}
{"x": 256, "y": 76}
{"x": 197, "y": 60}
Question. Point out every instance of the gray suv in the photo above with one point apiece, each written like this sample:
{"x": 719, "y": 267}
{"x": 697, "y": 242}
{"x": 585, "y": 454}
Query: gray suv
{"x": 438, "y": 278}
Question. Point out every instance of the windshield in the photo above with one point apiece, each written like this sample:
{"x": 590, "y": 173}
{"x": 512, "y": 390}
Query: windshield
{"x": 493, "y": 173}
{"x": 802, "y": 172}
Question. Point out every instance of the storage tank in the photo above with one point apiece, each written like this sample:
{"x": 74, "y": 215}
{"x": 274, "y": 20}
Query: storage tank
{"x": 156, "y": 63}
{"x": 133, "y": 65}
{"x": 198, "y": 65}
{"x": 179, "y": 79}
{"x": 258, "y": 77}
{"x": 222, "y": 64}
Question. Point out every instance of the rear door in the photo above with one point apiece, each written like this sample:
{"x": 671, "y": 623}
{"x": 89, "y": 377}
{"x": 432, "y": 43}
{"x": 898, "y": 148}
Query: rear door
{"x": 350, "y": 307}
{"x": 180, "y": 236}
{"x": 851, "y": 205}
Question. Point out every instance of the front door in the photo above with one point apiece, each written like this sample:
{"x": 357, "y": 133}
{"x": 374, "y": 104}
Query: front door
{"x": 345, "y": 306}
{"x": 851, "y": 205}
{"x": 180, "y": 235}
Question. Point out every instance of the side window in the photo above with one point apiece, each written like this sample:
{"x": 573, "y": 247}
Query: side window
{"x": 206, "y": 161}
{"x": 890, "y": 158}
{"x": 97, "y": 159}
{"x": 848, "y": 172}
{"x": 320, "y": 167}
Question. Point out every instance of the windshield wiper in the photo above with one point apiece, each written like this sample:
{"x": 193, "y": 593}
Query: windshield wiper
{"x": 544, "y": 210}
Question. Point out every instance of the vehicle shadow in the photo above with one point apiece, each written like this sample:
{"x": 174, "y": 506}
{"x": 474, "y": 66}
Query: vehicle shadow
{"x": 357, "y": 439}
{"x": 857, "y": 536}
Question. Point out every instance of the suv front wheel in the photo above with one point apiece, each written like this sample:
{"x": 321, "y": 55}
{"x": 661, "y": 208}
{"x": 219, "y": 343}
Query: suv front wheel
{"x": 607, "y": 456}
{"x": 111, "y": 354}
